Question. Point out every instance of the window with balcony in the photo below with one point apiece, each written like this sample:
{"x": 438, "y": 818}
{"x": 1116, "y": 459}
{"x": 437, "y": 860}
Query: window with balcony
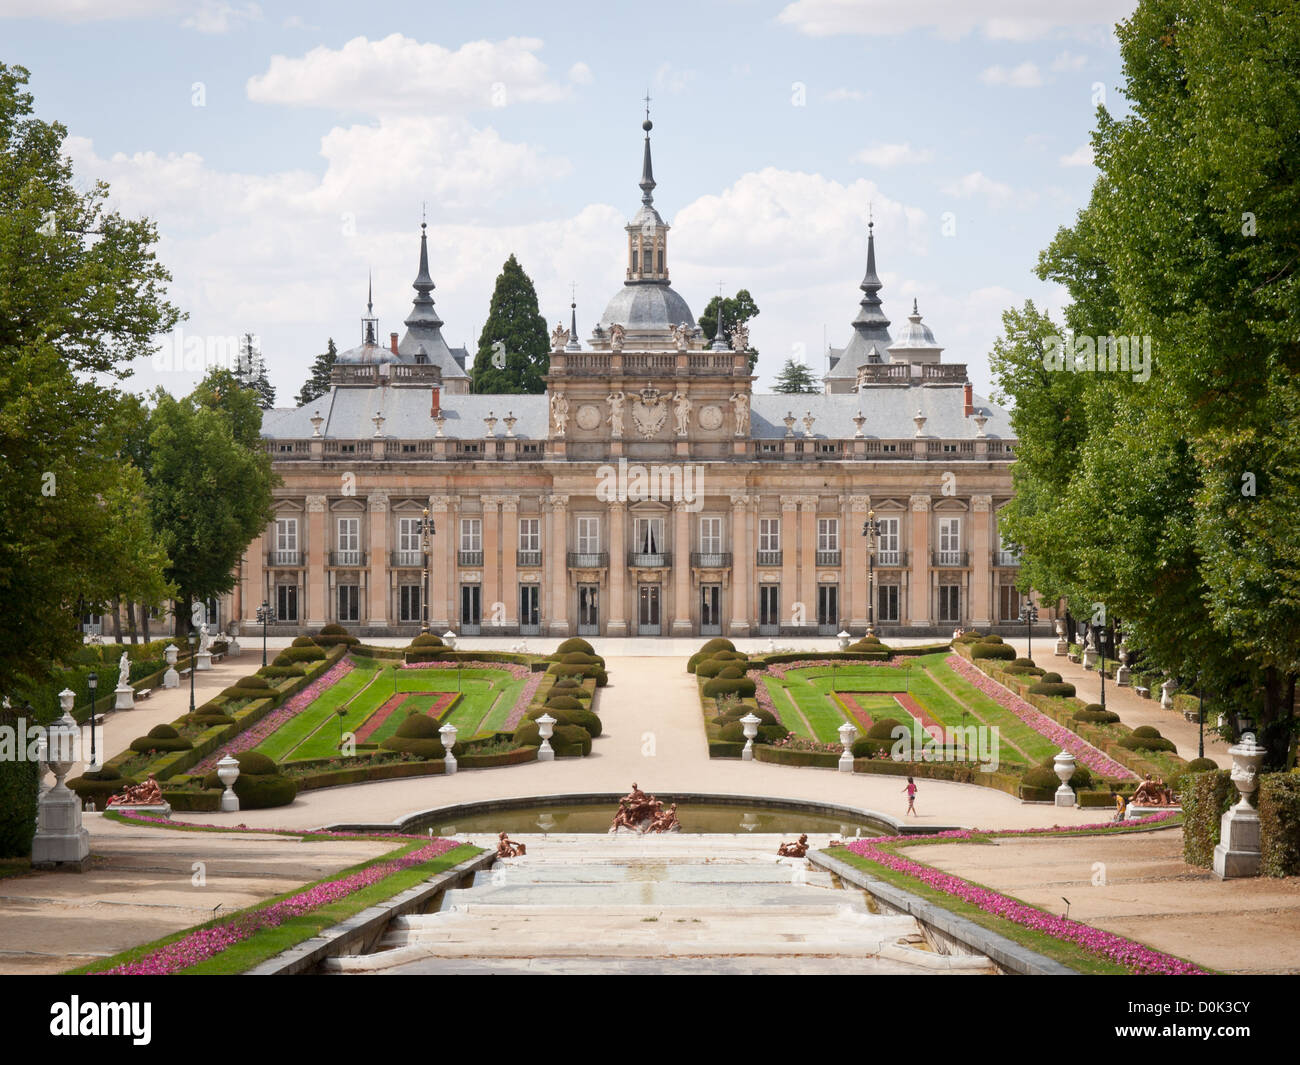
{"x": 828, "y": 541}
{"x": 950, "y": 542}
{"x": 530, "y": 542}
{"x": 408, "y": 542}
{"x": 349, "y": 542}
{"x": 887, "y": 551}
{"x": 588, "y": 536}
{"x": 769, "y": 541}
{"x": 471, "y": 541}
{"x": 286, "y": 541}
{"x": 710, "y": 552}
{"x": 647, "y": 543}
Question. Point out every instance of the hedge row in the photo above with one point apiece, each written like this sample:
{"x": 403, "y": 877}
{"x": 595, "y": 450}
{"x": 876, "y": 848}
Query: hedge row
{"x": 1205, "y": 797}
{"x": 788, "y": 756}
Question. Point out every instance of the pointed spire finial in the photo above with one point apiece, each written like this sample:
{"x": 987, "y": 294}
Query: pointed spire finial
{"x": 720, "y": 334}
{"x": 573, "y": 344}
{"x": 647, "y": 171}
{"x": 370, "y": 292}
{"x": 914, "y": 310}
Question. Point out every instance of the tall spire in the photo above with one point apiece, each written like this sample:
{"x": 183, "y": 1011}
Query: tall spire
{"x": 370, "y": 321}
{"x": 871, "y": 314}
{"x": 720, "y": 337}
{"x": 573, "y": 344}
{"x": 422, "y": 306}
{"x": 647, "y": 171}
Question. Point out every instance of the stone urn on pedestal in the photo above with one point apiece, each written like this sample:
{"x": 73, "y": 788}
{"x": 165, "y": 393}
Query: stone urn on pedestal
{"x": 1064, "y": 765}
{"x": 61, "y": 839}
{"x": 1121, "y": 674}
{"x": 1238, "y": 853}
{"x": 1062, "y": 644}
{"x": 228, "y": 773}
{"x": 1089, "y": 658}
{"x": 171, "y": 679}
{"x": 232, "y": 643}
{"x": 545, "y": 727}
{"x": 843, "y": 638}
{"x": 1167, "y": 690}
{"x": 848, "y": 733}
{"x": 750, "y": 724}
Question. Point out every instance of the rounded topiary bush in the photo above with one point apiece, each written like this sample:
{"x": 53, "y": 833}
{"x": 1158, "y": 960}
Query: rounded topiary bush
{"x": 765, "y": 717}
{"x": 1096, "y": 717}
{"x": 571, "y": 741}
{"x": 98, "y": 787}
{"x": 263, "y": 793}
{"x": 563, "y": 702}
{"x": 1024, "y": 663}
{"x": 742, "y": 686}
{"x": 1147, "y": 732}
{"x": 427, "y": 639}
{"x": 1042, "y": 778}
{"x": 291, "y": 655}
{"x": 990, "y": 639}
{"x": 567, "y": 682}
{"x": 730, "y": 656}
{"x": 417, "y": 735}
{"x": 582, "y": 718}
{"x": 256, "y": 764}
{"x": 161, "y": 738}
{"x": 1051, "y": 678}
{"x": 1201, "y": 765}
{"x": 999, "y": 651}
{"x": 575, "y": 643}
{"x": 579, "y": 658}
{"x": 1063, "y": 691}
{"x": 259, "y": 683}
{"x": 883, "y": 729}
{"x": 1134, "y": 742}
{"x": 734, "y": 732}
{"x": 418, "y": 727}
{"x": 303, "y": 641}
{"x": 163, "y": 732}
{"x": 1080, "y": 778}
{"x": 718, "y": 643}
{"x": 731, "y": 672}
{"x": 210, "y": 720}
{"x": 333, "y": 635}
{"x": 710, "y": 667}
{"x": 278, "y": 672}
{"x": 866, "y": 747}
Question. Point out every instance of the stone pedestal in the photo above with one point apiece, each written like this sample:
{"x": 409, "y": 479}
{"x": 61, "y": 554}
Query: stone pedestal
{"x": 171, "y": 679}
{"x": 1121, "y": 676}
{"x": 1062, "y": 647}
{"x": 61, "y": 841}
{"x": 233, "y": 648}
{"x": 1132, "y": 812}
{"x": 125, "y": 697}
{"x": 1238, "y": 852}
{"x": 1089, "y": 659}
{"x": 157, "y": 809}
{"x": 203, "y": 660}
{"x": 1065, "y": 796}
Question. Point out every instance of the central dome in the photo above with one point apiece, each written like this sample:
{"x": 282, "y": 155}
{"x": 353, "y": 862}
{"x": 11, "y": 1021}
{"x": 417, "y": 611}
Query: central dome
{"x": 647, "y": 306}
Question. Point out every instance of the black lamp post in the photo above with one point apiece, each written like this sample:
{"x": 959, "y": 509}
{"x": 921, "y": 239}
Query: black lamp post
{"x": 1200, "y": 723}
{"x": 427, "y": 531}
{"x": 264, "y": 616}
{"x": 1029, "y": 615}
{"x": 92, "y": 682}
{"x": 193, "y": 640}
{"x": 1101, "y": 663}
{"x": 871, "y": 529}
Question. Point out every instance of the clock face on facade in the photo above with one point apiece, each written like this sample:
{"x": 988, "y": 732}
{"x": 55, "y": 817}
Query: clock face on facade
{"x": 710, "y": 417}
{"x": 588, "y": 416}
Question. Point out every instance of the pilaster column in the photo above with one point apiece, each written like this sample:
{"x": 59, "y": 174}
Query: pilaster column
{"x": 444, "y": 545}
{"x": 920, "y": 568}
{"x": 380, "y": 545}
{"x": 741, "y": 559}
{"x": 491, "y": 556}
{"x": 558, "y": 551}
{"x": 856, "y": 548}
{"x": 681, "y": 569}
{"x": 254, "y": 579}
{"x": 808, "y": 559}
{"x": 509, "y": 541}
{"x": 617, "y": 625}
{"x": 315, "y": 611}
{"x": 789, "y": 557}
{"x": 980, "y": 612}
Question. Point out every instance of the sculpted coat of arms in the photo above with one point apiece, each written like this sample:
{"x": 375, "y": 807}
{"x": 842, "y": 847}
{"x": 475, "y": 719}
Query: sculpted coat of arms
{"x": 649, "y": 411}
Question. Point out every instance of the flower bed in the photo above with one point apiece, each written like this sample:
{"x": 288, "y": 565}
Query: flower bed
{"x": 205, "y": 943}
{"x": 250, "y": 738}
{"x": 1134, "y": 956}
{"x": 851, "y": 704}
{"x": 380, "y": 716}
{"x": 1084, "y": 752}
{"x": 523, "y": 702}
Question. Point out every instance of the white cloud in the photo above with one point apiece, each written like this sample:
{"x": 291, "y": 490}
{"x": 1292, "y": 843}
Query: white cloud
{"x": 893, "y": 155}
{"x": 1068, "y": 62}
{"x": 836, "y": 95}
{"x": 673, "y": 79}
{"x": 399, "y": 74}
{"x": 580, "y": 74}
{"x": 217, "y": 16}
{"x": 1018, "y": 20}
{"x": 977, "y": 184}
{"x": 1081, "y": 156}
{"x": 1024, "y": 76}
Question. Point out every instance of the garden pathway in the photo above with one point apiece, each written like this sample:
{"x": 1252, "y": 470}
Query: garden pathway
{"x": 654, "y": 735}
{"x": 1133, "y": 710}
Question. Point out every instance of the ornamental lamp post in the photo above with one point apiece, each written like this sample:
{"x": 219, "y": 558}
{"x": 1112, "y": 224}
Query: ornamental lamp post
{"x": 1101, "y": 663}
{"x": 427, "y": 532}
{"x": 264, "y": 616}
{"x": 1029, "y": 615}
{"x": 871, "y": 529}
{"x": 92, "y": 682}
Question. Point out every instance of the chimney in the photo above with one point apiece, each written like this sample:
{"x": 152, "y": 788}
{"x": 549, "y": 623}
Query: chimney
{"x": 436, "y": 408}
{"x": 392, "y": 342}
{"x": 970, "y": 400}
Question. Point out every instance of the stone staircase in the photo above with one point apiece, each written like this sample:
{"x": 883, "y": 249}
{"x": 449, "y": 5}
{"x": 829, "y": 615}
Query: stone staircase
{"x": 657, "y": 904}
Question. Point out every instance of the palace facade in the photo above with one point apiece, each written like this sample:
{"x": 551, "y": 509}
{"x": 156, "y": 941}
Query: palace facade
{"x": 649, "y": 492}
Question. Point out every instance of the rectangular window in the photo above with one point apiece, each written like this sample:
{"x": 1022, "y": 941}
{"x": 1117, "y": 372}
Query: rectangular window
{"x": 408, "y": 542}
{"x": 828, "y": 534}
{"x": 471, "y": 534}
{"x": 950, "y": 602}
{"x": 887, "y": 542}
{"x": 769, "y": 534}
{"x": 471, "y": 607}
{"x": 647, "y": 536}
{"x": 286, "y": 602}
{"x": 950, "y": 541}
{"x": 349, "y": 542}
{"x": 408, "y": 604}
{"x": 588, "y": 536}
{"x": 1009, "y": 602}
{"x": 887, "y": 602}
{"x": 530, "y": 534}
{"x": 710, "y": 536}
{"x": 769, "y": 608}
{"x": 286, "y": 541}
{"x": 349, "y": 602}
{"x": 828, "y": 607}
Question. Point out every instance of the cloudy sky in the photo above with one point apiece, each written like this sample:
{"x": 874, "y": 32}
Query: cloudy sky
{"x": 285, "y": 150}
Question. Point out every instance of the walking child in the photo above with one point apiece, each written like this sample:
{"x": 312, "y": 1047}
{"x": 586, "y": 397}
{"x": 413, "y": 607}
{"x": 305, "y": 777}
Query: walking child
{"x": 911, "y": 797}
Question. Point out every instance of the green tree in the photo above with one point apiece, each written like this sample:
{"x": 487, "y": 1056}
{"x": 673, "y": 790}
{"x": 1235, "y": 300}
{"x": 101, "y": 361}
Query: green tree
{"x": 795, "y": 378}
{"x": 318, "y": 381}
{"x": 516, "y": 324}
{"x": 83, "y": 295}
{"x": 736, "y": 310}
{"x": 1172, "y": 501}
{"x": 210, "y": 483}
{"x": 251, "y": 372}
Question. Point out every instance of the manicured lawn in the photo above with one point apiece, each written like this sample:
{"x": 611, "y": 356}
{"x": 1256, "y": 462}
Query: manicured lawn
{"x": 298, "y": 728}
{"x": 1033, "y": 746}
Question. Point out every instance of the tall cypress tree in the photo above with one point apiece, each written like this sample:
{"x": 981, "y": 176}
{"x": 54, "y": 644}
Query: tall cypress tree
{"x": 318, "y": 382}
{"x": 795, "y": 379}
{"x": 251, "y": 371}
{"x": 514, "y": 321}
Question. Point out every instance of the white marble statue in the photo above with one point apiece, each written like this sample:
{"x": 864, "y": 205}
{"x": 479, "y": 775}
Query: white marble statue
{"x": 616, "y": 336}
{"x": 559, "y": 337}
{"x": 615, "y": 419}
{"x": 808, "y": 420}
{"x": 559, "y": 413}
{"x": 682, "y": 411}
{"x": 740, "y": 410}
{"x": 123, "y": 671}
{"x": 682, "y": 336}
{"x": 740, "y": 337}
{"x": 205, "y": 639}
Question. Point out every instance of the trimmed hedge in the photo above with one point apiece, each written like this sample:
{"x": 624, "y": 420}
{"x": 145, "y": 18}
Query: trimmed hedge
{"x": 993, "y": 650}
{"x": 883, "y": 729}
{"x": 303, "y": 641}
{"x": 1279, "y": 823}
{"x": 1057, "y": 690}
{"x": 19, "y": 785}
{"x": 742, "y": 686}
{"x": 1205, "y": 798}
{"x": 570, "y": 741}
{"x": 789, "y": 756}
{"x": 575, "y": 643}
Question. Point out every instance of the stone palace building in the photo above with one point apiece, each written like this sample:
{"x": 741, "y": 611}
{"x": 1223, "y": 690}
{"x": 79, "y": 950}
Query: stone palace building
{"x": 649, "y": 492}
